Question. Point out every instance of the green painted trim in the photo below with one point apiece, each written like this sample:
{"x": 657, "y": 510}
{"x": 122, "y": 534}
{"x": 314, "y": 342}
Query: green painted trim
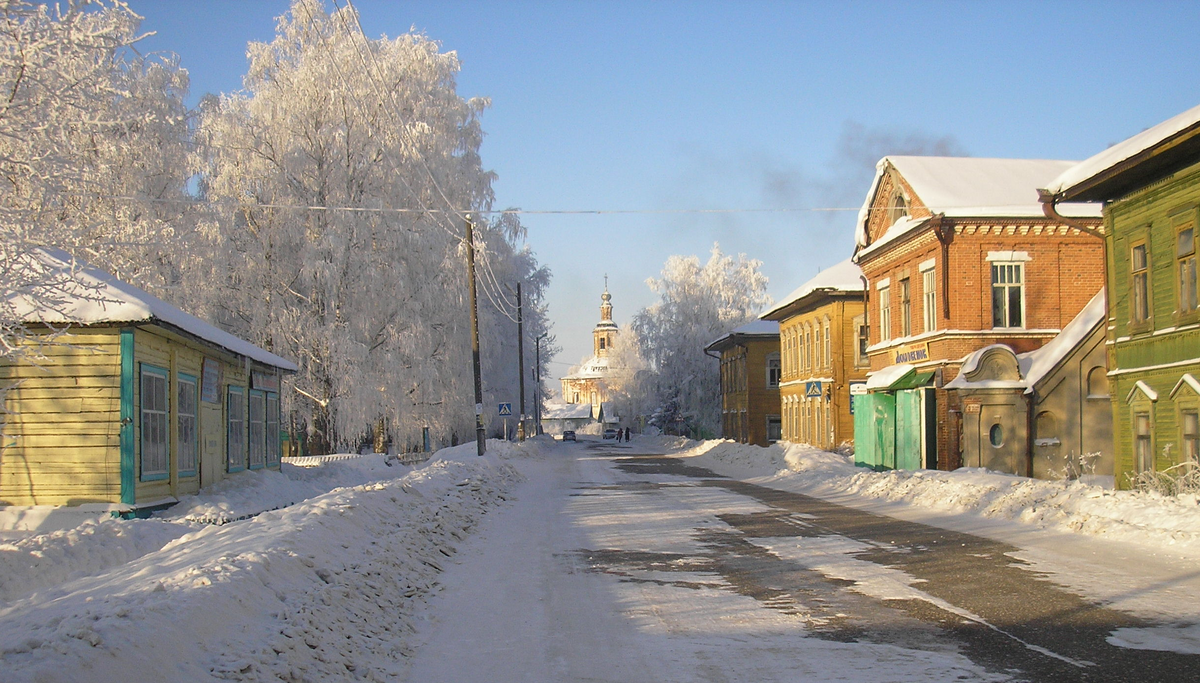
{"x": 128, "y": 464}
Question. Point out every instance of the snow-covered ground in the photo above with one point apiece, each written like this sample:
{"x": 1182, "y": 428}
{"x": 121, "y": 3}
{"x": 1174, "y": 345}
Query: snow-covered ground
{"x": 224, "y": 585}
{"x": 1169, "y": 522}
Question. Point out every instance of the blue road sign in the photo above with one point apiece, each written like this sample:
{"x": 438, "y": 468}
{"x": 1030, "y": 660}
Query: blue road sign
{"x": 505, "y": 409}
{"x": 812, "y": 390}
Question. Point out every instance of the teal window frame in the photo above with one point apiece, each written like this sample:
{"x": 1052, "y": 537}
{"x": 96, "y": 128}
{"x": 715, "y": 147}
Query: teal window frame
{"x": 256, "y": 430}
{"x": 235, "y": 396}
{"x": 274, "y": 449}
{"x": 182, "y": 379}
{"x": 152, "y": 426}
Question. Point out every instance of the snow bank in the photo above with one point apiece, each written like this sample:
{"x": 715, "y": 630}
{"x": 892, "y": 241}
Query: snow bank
{"x": 321, "y": 590}
{"x": 1071, "y": 506}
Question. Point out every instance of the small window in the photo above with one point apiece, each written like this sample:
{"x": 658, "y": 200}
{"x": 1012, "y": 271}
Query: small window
{"x": 905, "y": 308}
{"x": 235, "y": 449}
{"x": 273, "y": 446}
{"x": 929, "y": 299}
{"x": 774, "y": 428}
{"x": 898, "y": 208}
{"x": 602, "y": 341}
{"x": 156, "y": 443}
{"x": 185, "y": 424}
{"x": 1097, "y": 383}
{"x": 885, "y": 314}
{"x": 1142, "y": 449}
{"x": 996, "y": 435}
{"x": 1140, "y": 268}
{"x": 773, "y": 371}
{"x": 1191, "y": 435}
{"x": 258, "y": 429}
{"x": 860, "y": 355}
{"x": 1186, "y": 265}
{"x": 1008, "y": 294}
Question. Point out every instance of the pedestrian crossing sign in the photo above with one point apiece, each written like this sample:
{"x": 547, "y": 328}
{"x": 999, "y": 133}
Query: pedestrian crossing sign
{"x": 505, "y": 409}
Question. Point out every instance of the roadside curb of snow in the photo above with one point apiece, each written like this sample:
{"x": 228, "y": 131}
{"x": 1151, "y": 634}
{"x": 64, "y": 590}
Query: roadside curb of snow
{"x": 1070, "y": 506}
{"x": 321, "y": 590}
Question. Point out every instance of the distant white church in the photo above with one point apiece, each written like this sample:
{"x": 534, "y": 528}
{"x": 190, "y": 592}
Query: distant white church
{"x": 586, "y": 390}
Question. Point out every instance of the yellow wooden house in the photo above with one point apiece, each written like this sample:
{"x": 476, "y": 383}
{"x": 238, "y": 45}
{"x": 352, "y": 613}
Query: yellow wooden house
{"x": 824, "y": 363}
{"x": 127, "y": 402}
{"x": 749, "y": 358}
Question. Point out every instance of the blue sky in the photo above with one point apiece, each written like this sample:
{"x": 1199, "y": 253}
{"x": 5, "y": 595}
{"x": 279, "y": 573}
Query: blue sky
{"x": 744, "y": 105}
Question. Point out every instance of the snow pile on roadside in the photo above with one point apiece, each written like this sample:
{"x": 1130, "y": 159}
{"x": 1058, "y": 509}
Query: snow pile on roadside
{"x": 1064, "y": 505}
{"x": 246, "y": 494}
{"x": 46, "y": 560}
{"x": 320, "y": 590}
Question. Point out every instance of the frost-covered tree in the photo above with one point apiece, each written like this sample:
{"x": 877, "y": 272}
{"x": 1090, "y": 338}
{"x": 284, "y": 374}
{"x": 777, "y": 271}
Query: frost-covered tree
{"x": 92, "y": 148}
{"x": 341, "y": 176}
{"x": 697, "y": 304}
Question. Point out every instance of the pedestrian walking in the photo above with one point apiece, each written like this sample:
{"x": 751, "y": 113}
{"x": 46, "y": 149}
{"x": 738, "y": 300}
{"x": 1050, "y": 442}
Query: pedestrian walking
{"x": 618, "y": 435}
{"x": 627, "y": 433}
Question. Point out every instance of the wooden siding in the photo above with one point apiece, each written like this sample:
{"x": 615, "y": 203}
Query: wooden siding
{"x": 61, "y": 435}
{"x": 1168, "y": 338}
{"x": 841, "y": 313}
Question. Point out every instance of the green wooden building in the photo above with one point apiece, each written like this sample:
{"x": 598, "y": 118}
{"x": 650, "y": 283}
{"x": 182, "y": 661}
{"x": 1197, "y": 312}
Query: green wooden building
{"x": 1150, "y": 187}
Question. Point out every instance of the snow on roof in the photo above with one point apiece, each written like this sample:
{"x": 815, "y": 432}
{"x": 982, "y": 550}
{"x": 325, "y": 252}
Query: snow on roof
{"x": 1035, "y": 365}
{"x": 761, "y": 328}
{"x": 567, "y": 411}
{"x": 609, "y": 409}
{"x": 1187, "y": 380}
{"x": 843, "y": 277}
{"x": 1099, "y": 163}
{"x": 969, "y": 186}
{"x": 1041, "y": 361}
{"x": 884, "y": 378}
{"x": 1144, "y": 388}
{"x": 95, "y": 296}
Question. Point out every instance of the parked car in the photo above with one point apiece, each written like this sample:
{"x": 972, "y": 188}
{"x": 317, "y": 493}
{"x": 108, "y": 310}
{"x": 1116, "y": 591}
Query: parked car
{"x": 610, "y": 433}
{"x": 568, "y": 435}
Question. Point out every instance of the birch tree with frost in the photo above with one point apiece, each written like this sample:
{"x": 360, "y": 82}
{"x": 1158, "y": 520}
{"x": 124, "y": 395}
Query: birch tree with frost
{"x": 93, "y": 152}
{"x": 697, "y": 304}
{"x": 339, "y": 177}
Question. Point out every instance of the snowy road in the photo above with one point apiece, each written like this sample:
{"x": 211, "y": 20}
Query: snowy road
{"x": 615, "y": 565}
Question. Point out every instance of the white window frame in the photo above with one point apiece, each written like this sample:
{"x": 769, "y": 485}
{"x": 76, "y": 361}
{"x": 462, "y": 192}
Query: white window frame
{"x": 1017, "y": 267}
{"x": 235, "y": 429}
{"x": 885, "y": 313}
{"x": 929, "y": 298}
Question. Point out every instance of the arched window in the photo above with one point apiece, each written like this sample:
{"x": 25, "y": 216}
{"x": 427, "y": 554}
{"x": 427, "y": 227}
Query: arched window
{"x": 1097, "y": 383}
{"x": 1046, "y": 426}
{"x": 898, "y": 208}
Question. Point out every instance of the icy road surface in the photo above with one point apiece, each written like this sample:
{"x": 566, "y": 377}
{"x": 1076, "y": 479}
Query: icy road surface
{"x": 615, "y": 564}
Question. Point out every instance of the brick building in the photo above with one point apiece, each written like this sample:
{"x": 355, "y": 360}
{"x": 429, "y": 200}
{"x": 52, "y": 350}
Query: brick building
{"x": 820, "y": 325}
{"x": 1150, "y": 189}
{"x": 749, "y": 358}
{"x": 958, "y": 255}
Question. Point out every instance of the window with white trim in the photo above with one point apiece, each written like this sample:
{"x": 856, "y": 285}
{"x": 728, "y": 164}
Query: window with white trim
{"x": 885, "y": 313}
{"x": 828, "y": 360}
{"x": 156, "y": 442}
{"x": 1185, "y": 256}
{"x": 1139, "y": 264}
{"x": 773, "y": 371}
{"x": 187, "y": 436}
{"x": 929, "y": 299}
{"x": 1143, "y": 450}
{"x": 1008, "y": 294}
{"x": 1191, "y": 435}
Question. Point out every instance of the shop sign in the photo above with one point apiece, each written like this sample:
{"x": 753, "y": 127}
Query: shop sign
{"x": 910, "y": 353}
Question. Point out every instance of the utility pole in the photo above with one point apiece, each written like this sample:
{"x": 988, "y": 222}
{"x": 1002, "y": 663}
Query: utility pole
{"x": 521, "y": 362}
{"x": 479, "y": 436}
{"x": 537, "y": 387}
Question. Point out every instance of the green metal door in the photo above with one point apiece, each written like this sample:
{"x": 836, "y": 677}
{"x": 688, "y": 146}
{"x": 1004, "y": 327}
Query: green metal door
{"x": 909, "y": 429}
{"x": 884, "y": 418}
{"x": 864, "y": 431}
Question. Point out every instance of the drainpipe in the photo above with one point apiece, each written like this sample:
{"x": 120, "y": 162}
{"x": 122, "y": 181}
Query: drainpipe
{"x": 866, "y": 311}
{"x": 945, "y": 234}
{"x": 1029, "y": 398}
